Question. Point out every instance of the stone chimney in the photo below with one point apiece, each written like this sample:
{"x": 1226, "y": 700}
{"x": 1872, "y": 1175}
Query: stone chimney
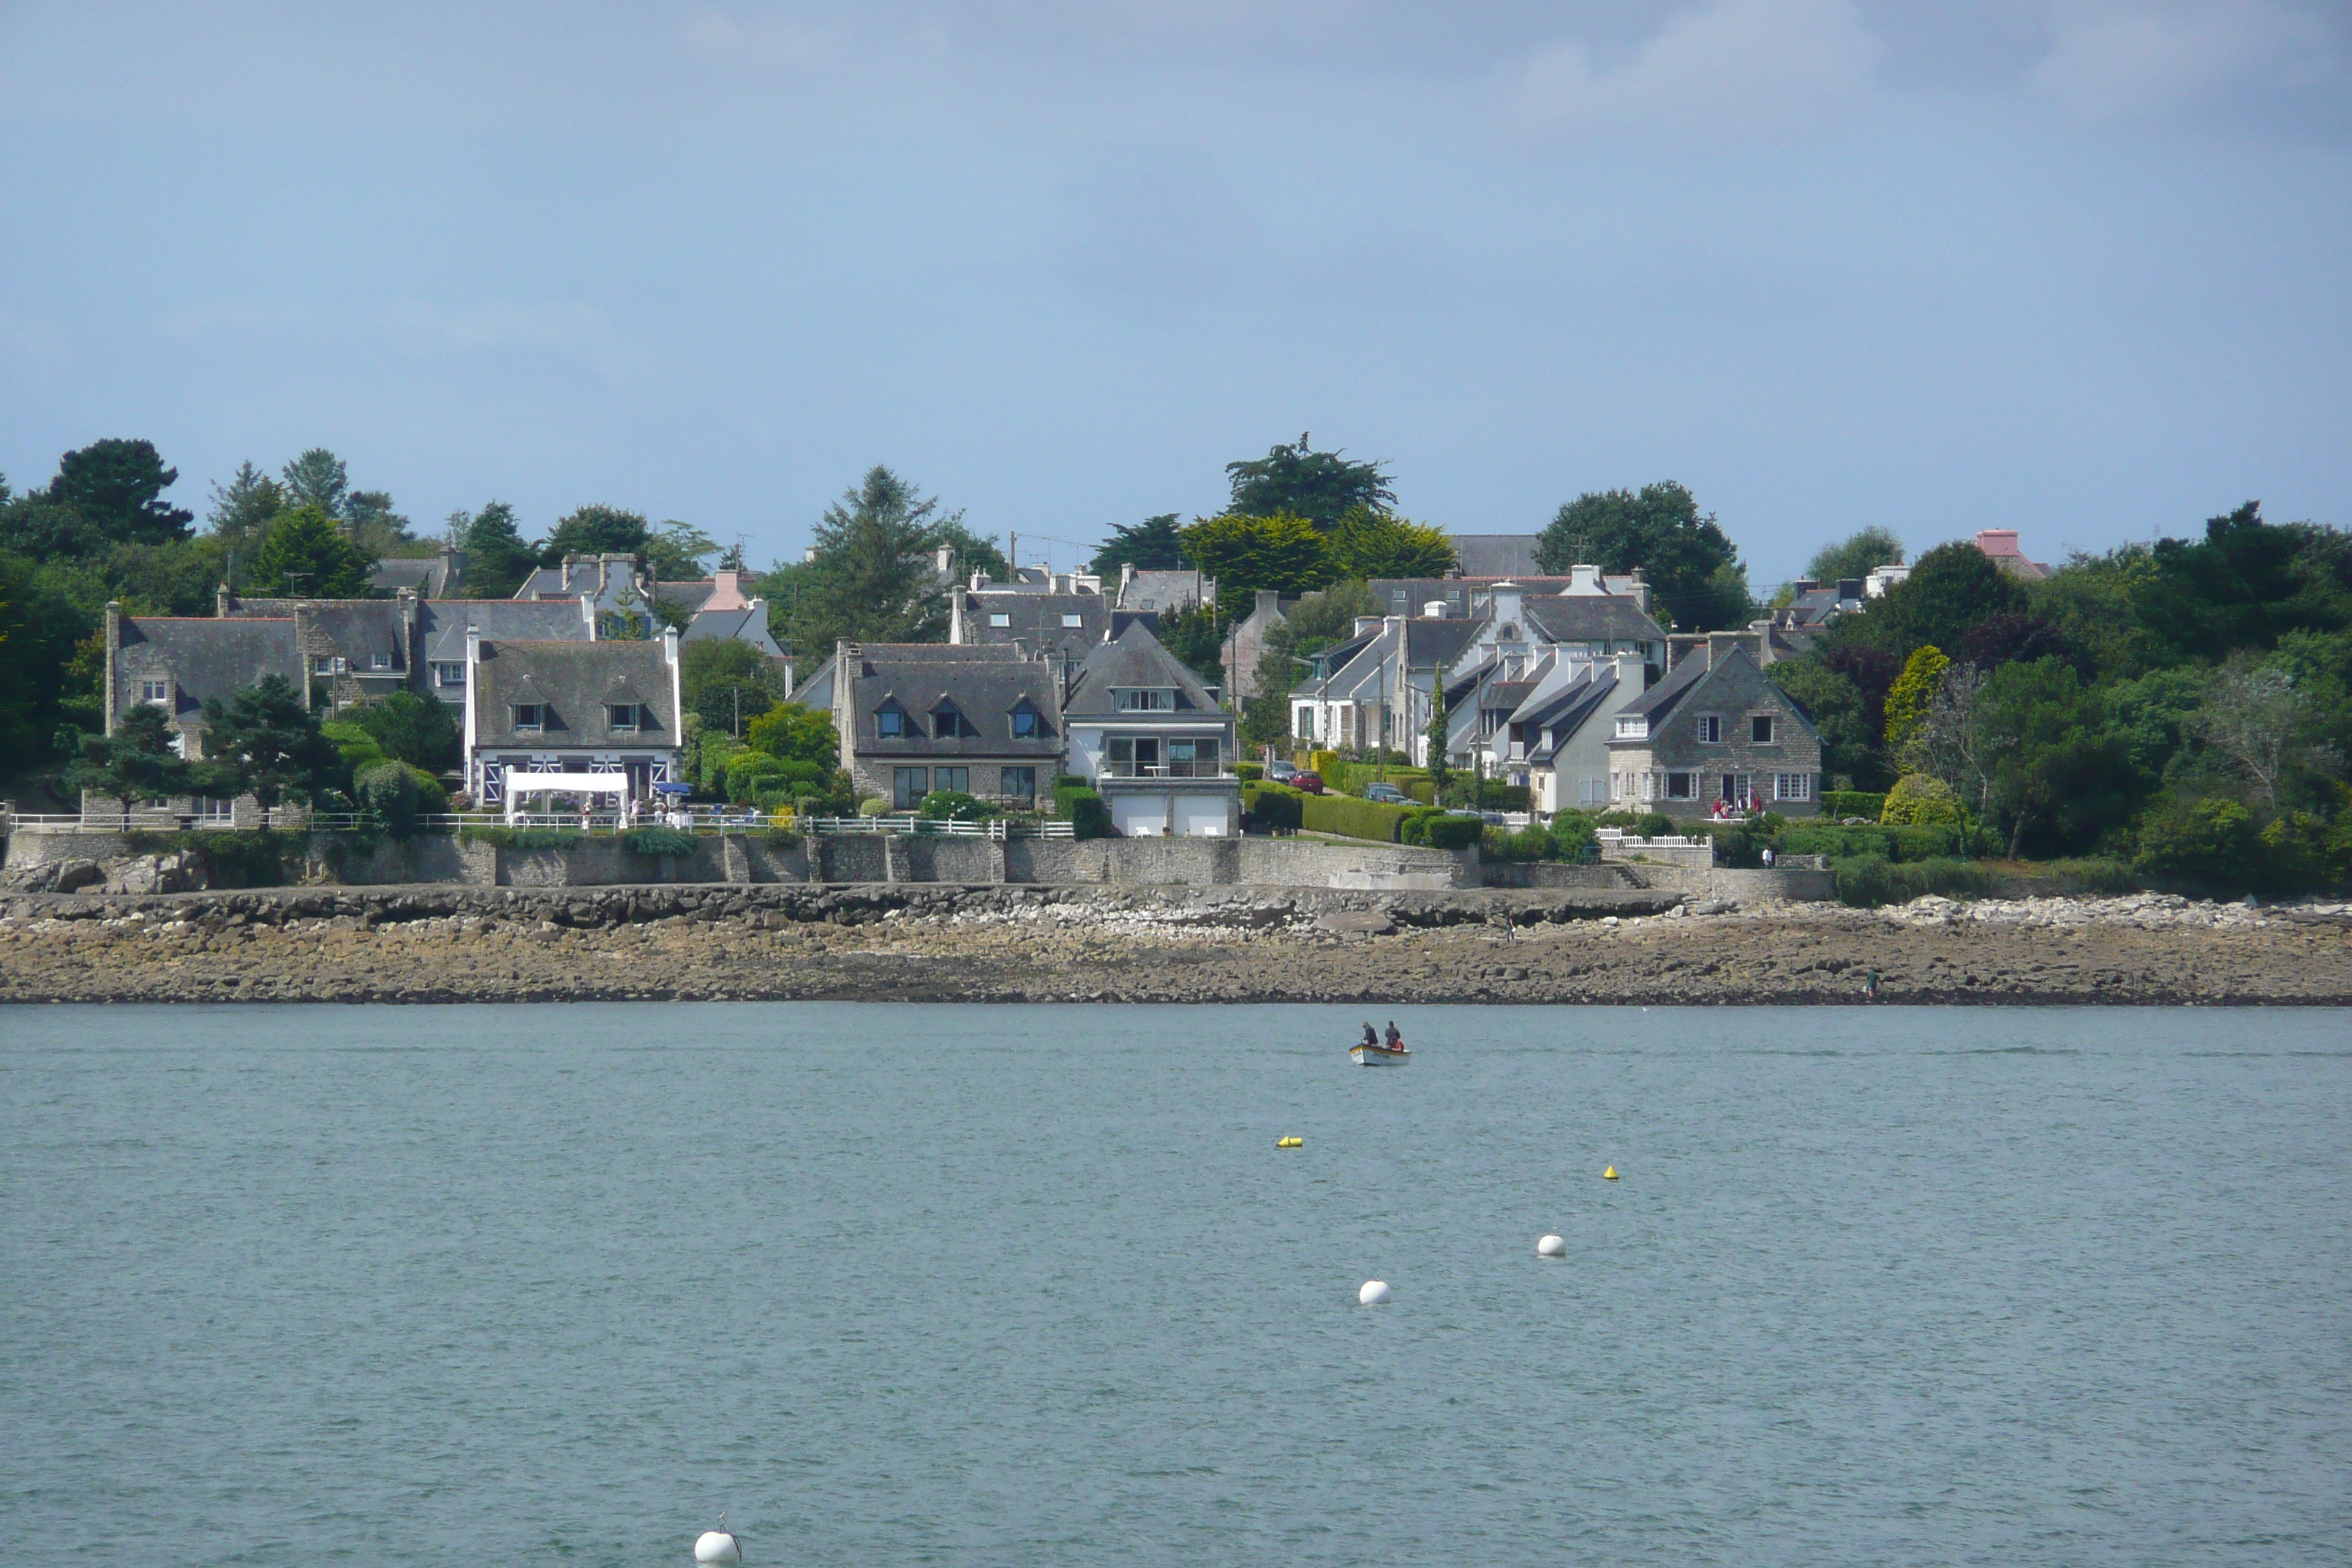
{"x": 1584, "y": 581}
{"x": 222, "y": 601}
{"x": 727, "y": 592}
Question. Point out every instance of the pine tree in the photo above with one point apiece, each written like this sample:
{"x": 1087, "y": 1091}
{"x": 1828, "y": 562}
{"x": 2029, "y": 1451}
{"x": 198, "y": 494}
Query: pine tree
{"x": 306, "y": 556}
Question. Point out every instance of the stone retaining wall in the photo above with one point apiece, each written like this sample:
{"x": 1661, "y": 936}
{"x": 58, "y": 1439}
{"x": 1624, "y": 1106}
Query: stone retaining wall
{"x": 1739, "y": 887}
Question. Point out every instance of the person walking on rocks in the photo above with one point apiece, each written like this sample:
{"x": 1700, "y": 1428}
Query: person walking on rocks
{"x": 1870, "y": 985}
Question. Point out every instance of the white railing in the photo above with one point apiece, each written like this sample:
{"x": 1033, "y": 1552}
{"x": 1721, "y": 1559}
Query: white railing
{"x": 1201, "y": 770}
{"x": 996, "y": 827}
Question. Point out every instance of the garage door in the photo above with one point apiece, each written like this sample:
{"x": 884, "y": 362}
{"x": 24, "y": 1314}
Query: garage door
{"x": 1139, "y": 815}
{"x": 1201, "y": 816}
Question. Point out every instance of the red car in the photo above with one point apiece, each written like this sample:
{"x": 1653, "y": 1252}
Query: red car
{"x": 1311, "y": 783}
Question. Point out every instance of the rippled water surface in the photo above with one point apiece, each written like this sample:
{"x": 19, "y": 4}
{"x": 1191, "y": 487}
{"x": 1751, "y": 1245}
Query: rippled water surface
{"x": 1034, "y": 1285}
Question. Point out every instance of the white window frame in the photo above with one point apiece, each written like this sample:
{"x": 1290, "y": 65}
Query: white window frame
{"x": 1710, "y": 729}
{"x": 1000, "y": 620}
{"x": 1792, "y": 787}
{"x": 1692, "y": 782}
{"x": 1072, "y": 620}
{"x": 159, "y": 692}
{"x": 538, "y": 712}
{"x": 1633, "y": 727}
{"x": 379, "y": 661}
{"x": 613, "y": 712}
{"x": 449, "y": 674}
{"x": 1144, "y": 699}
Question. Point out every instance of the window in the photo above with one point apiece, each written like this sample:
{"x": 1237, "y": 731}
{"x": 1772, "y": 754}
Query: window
{"x": 1740, "y": 789}
{"x": 1792, "y": 787}
{"x": 447, "y": 673}
{"x": 530, "y": 716}
{"x": 908, "y": 787}
{"x": 622, "y": 717}
{"x": 379, "y": 661}
{"x": 155, "y": 691}
{"x": 1681, "y": 786}
{"x": 326, "y": 664}
{"x": 1759, "y": 729}
{"x": 1072, "y": 620}
{"x": 1018, "y": 784}
{"x": 1000, "y": 619}
{"x": 1591, "y": 792}
{"x": 956, "y": 779}
{"x": 1026, "y": 725}
{"x": 1710, "y": 729}
{"x": 214, "y": 812}
{"x": 1303, "y": 723}
{"x": 890, "y": 722}
{"x": 1633, "y": 727}
{"x": 1154, "y": 700}
{"x": 947, "y": 723}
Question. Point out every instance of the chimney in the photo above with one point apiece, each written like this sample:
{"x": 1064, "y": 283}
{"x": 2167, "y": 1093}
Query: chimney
{"x": 1126, "y": 576}
{"x": 1433, "y": 610}
{"x": 1507, "y": 599}
{"x": 222, "y": 600}
{"x": 1584, "y": 580}
{"x": 113, "y": 646}
{"x": 945, "y": 560}
{"x": 1269, "y": 603}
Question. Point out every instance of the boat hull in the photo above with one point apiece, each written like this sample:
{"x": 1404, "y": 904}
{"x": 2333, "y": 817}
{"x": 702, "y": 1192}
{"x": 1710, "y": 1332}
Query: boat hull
{"x": 1379, "y": 1056}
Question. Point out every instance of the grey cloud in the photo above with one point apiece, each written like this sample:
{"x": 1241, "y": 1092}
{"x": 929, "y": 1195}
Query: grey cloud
{"x": 2113, "y": 58}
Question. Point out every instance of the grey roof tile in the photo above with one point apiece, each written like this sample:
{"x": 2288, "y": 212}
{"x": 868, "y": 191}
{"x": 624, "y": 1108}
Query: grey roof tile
{"x": 576, "y": 682}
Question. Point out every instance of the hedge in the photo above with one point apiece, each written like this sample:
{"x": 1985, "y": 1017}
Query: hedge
{"x": 1867, "y": 879}
{"x": 1089, "y": 816}
{"x": 1444, "y": 831}
{"x": 1273, "y": 806}
{"x": 657, "y": 840}
{"x": 1352, "y": 818}
{"x": 1249, "y": 772}
{"x": 1840, "y": 803}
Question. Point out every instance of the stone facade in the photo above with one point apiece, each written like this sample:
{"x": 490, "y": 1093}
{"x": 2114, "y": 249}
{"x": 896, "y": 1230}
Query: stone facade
{"x": 1716, "y": 730}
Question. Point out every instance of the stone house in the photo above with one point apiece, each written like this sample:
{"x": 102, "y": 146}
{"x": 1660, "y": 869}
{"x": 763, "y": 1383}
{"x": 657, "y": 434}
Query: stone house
{"x": 1046, "y": 612}
{"x": 1244, "y": 645}
{"x": 1714, "y": 730}
{"x": 605, "y": 708}
{"x": 982, "y": 719}
{"x": 1152, "y": 739}
{"x": 352, "y": 650}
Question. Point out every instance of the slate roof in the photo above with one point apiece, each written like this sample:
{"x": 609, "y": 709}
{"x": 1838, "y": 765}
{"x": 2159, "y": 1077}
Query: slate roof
{"x": 574, "y": 681}
{"x": 1034, "y": 620}
{"x": 205, "y": 658}
{"x": 1591, "y": 618}
{"x": 426, "y": 576}
{"x": 985, "y": 683}
{"x": 688, "y": 594}
{"x": 442, "y": 622}
{"x": 1567, "y": 710}
{"x": 1497, "y": 554}
{"x": 1437, "y": 644}
{"x": 359, "y": 628}
{"x": 1167, "y": 591}
{"x": 1135, "y": 658}
{"x": 748, "y": 625}
{"x": 1661, "y": 699}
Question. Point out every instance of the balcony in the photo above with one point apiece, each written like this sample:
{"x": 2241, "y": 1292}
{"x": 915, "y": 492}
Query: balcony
{"x": 1205, "y": 768}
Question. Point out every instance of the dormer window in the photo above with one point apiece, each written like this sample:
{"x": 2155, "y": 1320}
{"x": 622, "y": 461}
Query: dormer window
{"x": 890, "y": 722}
{"x": 1072, "y": 620}
{"x": 155, "y": 691}
{"x": 1145, "y": 699}
{"x": 1000, "y": 620}
{"x": 622, "y": 717}
{"x": 1026, "y": 725}
{"x": 949, "y": 723}
{"x": 531, "y": 716}
{"x": 379, "y": 661}
{"x": 1633, "y": 727}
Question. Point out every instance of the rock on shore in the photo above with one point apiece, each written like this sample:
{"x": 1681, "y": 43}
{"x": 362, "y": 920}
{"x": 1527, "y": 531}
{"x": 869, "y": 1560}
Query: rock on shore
{"x": 934, "y": 942}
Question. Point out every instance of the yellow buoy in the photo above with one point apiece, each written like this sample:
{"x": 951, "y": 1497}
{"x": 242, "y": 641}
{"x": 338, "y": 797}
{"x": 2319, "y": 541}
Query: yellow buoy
{"x": 1610, "y": 1174}
{"x": 1290, "y": 1142}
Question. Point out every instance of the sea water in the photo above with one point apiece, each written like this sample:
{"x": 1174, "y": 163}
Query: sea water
{"x": 1034, "y": 1286}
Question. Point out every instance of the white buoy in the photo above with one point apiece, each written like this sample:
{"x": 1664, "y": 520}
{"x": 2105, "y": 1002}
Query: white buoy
{"x": 1550, "y": 1247}
{"x": 718, "y": 1545}
{"x": 1375, "y": 1293}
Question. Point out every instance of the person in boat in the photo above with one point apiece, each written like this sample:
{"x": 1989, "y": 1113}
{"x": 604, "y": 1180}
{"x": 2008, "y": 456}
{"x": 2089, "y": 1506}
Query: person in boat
{"x": 1396, "y": 1039}
{"x": 1371, "y": 1037}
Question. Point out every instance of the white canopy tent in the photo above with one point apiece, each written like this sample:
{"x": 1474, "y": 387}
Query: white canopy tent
{"x": 520, "y": 784}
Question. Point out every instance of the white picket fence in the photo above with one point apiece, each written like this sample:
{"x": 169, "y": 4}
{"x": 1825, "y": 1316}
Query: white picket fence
{"x": 996, "y": 827}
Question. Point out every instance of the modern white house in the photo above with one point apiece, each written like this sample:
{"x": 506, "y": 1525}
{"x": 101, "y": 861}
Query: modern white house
{"x": 1145, "y": 734}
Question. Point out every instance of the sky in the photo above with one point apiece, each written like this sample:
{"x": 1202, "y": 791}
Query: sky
{"x": 2073, "y": 267}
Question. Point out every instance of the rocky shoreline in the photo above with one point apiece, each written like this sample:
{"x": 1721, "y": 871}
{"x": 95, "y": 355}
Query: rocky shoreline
{"x": 1021, "y": 943}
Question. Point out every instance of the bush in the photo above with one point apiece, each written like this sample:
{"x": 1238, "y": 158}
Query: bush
{"x": 521, "y": 837}
{"x": 1443, "y": 830}
{"x": 1083, "y": 807}
{"x": 1323, "y": 763}
{"x": 873, "y": 806}
{"x": 1865, "y": 880}
{"x": 398, "y": 795}
{"x": 1839, "y": 804}
{"x": 1527, "y": 844}
{"x": 657, "y": 840}
{"x": 2211, "y": 843}
{"x": 1352, "y": 818}
{"x": 2097, "y": 876}
{"x": 1573, "y": 832}
{"x": 1249, "y": 772}
{"x": 1273, "y": 806}
{"x": 1921, "y": 801}
{"x": 954, "y": 806}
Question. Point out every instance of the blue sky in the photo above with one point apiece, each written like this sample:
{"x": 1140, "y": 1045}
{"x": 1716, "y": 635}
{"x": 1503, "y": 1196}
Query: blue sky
{"x": 2074, "y": 266}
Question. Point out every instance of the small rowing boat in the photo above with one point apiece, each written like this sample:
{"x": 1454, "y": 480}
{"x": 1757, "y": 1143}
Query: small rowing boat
{"x": 1379, "y": 1056}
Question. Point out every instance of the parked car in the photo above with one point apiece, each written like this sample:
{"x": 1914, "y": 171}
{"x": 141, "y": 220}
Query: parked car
{"x": 1387, "y": 795}
{"x": 1311, "y": 783}
{"x": 1280, "y": 771}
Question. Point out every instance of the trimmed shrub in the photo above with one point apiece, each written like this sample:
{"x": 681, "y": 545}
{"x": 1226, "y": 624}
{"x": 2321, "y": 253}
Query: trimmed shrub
{"x": 657, "y": 840}
{"x": 1323, "y": 763}
{"x": 1865, "y": 880}
{"x": 1249, "y": 772}
{"x": 1274, "y": 807}
{"x": 521, "y": 837}
{"x": 1443, "y": 830}
{"x": 398, "y": 795}
{"x": 1352, "y": 818}
{"x": 954, "y": 806}
{"x": 1083, "y": 807}
{"x": 873, "y": 806}
{"x": 1527, "y": 844}
{"x": 1572, "y": 831}
{"x": 1918, "y": 800}
{"x": 1839, "y": 804}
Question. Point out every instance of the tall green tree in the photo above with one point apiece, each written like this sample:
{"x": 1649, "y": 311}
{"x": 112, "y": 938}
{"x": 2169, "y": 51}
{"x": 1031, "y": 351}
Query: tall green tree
{"x": 1195, "y": 635}
{"x": 596, "y": 530}
{"x": 1856, "y": 555}
{"x": 872, "y": 577}
{"x": 729, "y": 682}
{"x": 1288, "y": 554}
{"x": 974, "y": 552}
{"x": 2247, "y": 584}
{"x": 376, "y": 527}
{"x": 409, "y": 727}
{"x": 270, "y": 743}
{"x": 136, "y": 763}
{"x": 497, "y": 558}
{"x": 117, "y": 486}
{"x": 306, "y": 556}
{"x": 1151, "y": 545}
{"x": 1952, "y": 589}
{"x": 1368, "y": 544}
{"x": 679, "y": 551}
{"x": 1298, "y": 481}
{"x": 243, "y": 509}
{"x": 1693, "y": 569}
{"x": 318, "y": 478}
